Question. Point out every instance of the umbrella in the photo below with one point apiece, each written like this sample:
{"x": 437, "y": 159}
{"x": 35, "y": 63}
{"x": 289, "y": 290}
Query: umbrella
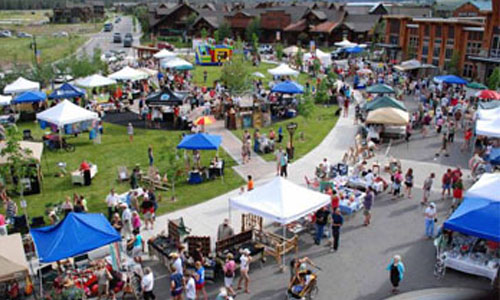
{"x": 488, "y": 94}
{"x": 450, "y": 79}
{"x": 288, "y": 87}
{"x": 204, "y": 120}
{"x": 380, "y": 89}
{"x": 476, "y": 86}
{"x": 355, "y": 49}
{"x": 258, "y": 74}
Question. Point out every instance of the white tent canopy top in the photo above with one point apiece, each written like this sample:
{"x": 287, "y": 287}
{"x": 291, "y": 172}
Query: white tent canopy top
{"x": 292, "y": 50}
{"x": 21, "y": 85}
{"x": 490, "y": 128}
{"x": 176, "y": 62}
{"x": 66, "y": 113}
{"x": 95, "y": 80}
{"x": 164, "y": 53}
{"x": 283, "y": 70}
{"x": 5, "y": 100}
{"x": 488, "y": 114}
{"x": 486, "y": 187}
{"x": 128, "y": 73}
{"x": 345, "y": 44}
{"x": 280, "y": 200}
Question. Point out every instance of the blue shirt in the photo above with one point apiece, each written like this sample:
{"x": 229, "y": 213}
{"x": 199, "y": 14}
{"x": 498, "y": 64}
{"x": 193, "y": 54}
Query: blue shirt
{"x": 201, "y": 275}
{"x": 177, "y": 279}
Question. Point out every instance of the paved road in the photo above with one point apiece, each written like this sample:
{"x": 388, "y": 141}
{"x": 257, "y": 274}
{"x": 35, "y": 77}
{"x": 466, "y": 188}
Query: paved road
{"x": 104, "y": 40}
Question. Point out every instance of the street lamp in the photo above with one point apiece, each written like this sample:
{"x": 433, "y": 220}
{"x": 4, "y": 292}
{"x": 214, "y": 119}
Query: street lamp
{"x": 291, "y": 128}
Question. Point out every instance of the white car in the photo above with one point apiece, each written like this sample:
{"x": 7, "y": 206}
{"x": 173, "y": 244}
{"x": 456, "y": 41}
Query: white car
{"x": 5, "y": 33}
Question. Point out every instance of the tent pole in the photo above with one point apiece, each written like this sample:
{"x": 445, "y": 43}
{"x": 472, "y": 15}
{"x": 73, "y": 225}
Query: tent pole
{"x": 284, "y": 245}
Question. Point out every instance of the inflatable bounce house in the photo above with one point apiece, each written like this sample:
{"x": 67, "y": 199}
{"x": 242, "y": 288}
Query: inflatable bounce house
{"x": 209, "y": 54}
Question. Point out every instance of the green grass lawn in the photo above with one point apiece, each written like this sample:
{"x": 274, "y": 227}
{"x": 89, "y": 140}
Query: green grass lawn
{"x": 214, "y": 73}
{"x": 314, "y": 130}
{"x": 24, "y": 16}
{"x": 115, "y": 150}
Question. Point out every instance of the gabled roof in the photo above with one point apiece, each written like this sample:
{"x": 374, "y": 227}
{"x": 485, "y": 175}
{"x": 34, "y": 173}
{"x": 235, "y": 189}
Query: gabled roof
{"x": 448, "y": 5}
{"x": 319, "y": 14}
{"x": 297, "y": 26}
{"x": 325, "y": 27}
{"x": 361, "y": 23}
{"x": 165, "y": 13}
{"x": 407, "y": 10}
{"x": 482, "y": 5}
{"x": 213, "y": 18}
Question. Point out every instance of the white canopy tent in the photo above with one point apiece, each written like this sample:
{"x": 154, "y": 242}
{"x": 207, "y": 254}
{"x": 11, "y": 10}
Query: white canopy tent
{"x": 128, "y": 73}
{"x": 21, "y": 85}
{"x": 488, "y": 114}
{"x": 66, "y": 113}
{"x": 164, "y": 53}
{"x": 148, "y": 71}
{"x": 283, "y": 70}
{"x": 345, "y": 44}
{"x": 5, "y": 100}
{"x": 95, "y": 80}
{"x": 486, "y": 187}
{"x": 176, "y": 62}
{"x": 292, "y": 50}
{"x": 280, "y": 200}
{"x": 490, "y": 128}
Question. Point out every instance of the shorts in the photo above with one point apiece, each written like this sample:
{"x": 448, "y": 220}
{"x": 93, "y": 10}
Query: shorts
{"x": 200, "y": 286}
{"x": 176, "y": 292}
{"x": 366, "y": 212}
{"x": 409, "y": 184}
{"x": 446, "y": 186}
{"x": 148, "y": 216}
{"x": 102, "y": 288}
{"x": 228, "y": 282}
{"x": 136, "y": 251}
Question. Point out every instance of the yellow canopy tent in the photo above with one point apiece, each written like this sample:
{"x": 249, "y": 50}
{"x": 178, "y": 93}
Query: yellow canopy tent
{"x": 388, "y": 116}
{"x": 13, "y": 261}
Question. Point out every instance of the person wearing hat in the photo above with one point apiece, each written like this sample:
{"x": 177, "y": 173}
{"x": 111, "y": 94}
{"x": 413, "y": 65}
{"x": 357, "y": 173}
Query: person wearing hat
{"x": 430, "y": 218}
{"x": 177, "y": 262}
{"x": 245, "y": 260}
{"x": 229, "y": 269}
{"x": 225, "y": 230}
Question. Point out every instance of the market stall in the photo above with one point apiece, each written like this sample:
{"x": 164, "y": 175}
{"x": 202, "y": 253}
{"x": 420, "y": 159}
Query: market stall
{"x": 380, "y": 89}
{"x": 21, "y": 85}
{"x": 383, "y": 102}
{"x": 13, "y": 263}
{"x": 176, "y": 63}
{"x": 164, "y": 53}
{"x": 203, "y": 141}
{"x": 388, "y": 116}
{"x": 94, "y": 81}
{"x": 283, "y": 70}
{"x": 475, "y": 250}
{"x": 489, "y": 128}
{"x": 67, "y": 91}
{"x": 129, "y": 74}
{"x": 283, "y": 202}
{"x": 68, "y": 118}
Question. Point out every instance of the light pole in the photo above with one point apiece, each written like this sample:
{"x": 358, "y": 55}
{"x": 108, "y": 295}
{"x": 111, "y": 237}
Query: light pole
{"x": 291, "y": 128}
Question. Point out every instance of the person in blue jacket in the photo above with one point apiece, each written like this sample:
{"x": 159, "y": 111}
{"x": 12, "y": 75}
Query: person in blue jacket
{"x": 396, "y": 271}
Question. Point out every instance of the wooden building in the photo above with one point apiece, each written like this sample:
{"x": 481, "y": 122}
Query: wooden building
{"x": 75, "y": 13}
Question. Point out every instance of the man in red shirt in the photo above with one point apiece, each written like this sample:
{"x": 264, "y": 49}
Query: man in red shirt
{"x": 85, "y": 168}
{"x": 335, "y": 200}
{"x": 446, "y": 181}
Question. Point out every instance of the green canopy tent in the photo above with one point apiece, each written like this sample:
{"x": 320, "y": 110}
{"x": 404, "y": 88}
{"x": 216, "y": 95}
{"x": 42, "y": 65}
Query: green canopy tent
{"x": 476, "y": 86}
{"x": 380, "y": 89}
{"x": 383, "y": 102}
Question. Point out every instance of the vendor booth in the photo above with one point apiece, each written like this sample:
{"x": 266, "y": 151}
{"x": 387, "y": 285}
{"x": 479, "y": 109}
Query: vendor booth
{"x": 472, "y": 247}
{"x": 283, "y": 202}
{"x": 388, "y": 116}
{"x": 383, "y": 102}
{"x": 21, "y": 85}
{"x": 450, "y": 79}
{"x": 203, "y": 141}
{"x": 380, "y": 89}
{"x": 489, "y": 128}
{"x": 67, "y": 91}
{"x": 95, "y": 80}
{"x": 129, "y": 74}
{"x": 5, "y": 100}
{"x": 345, "y": 44}
{"x": 164, "y": 53}
{"x": 13, "y": 263}
{"x": 283, "y": 70}
{"x": 176, "y": 63}
{"x": 287, "y": 87}
{"x": 77, "y": 234}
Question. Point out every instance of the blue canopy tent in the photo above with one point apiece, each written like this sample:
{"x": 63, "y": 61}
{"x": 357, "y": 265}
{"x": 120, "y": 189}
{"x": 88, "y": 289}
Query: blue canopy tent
{"x": 479, "y": 213}
{"x": 30, "y": 97}
{"x": 78, "y": 233}
{"x": 450, "y": 79}
{"x": 355, "y": 49}
{"x": 200, "y": 141}
{"x": 288, "y": 87}
{"x": 67, "y": 91}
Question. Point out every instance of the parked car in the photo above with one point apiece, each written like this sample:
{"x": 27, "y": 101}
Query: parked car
{"x": 60, "y": 34}
{"x": 265, "y": 49}
{"x": 24, "y": 35}
{"x": 117, "y": 37}
{"x": 108, "y": 27}
{"x": 128, "y": 40}
{"x": 5, "y": 33}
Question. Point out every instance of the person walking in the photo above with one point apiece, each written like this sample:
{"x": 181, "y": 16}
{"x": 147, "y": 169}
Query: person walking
{"x": 190, "y": 286}
{"x": 446, "y": 184}
{"x": 229, "y": 269}
{"x": 147, "y": 284}
{"x": 130, "y": 132}
{"x": 427, "y": 188}
{"x": 430, "y": 219}
{"x": 199, "y": 277}
{"x": 396, "y": 272}
{"x": 112, "y": 200}
{"x": 321, "y": 221}
{"x": 398, "y": 179}
{"x": 458, "y": 192}
{"x": 337, "y": 222}
{"x": 245, "y": 260}
{"x": 409, "y": 182}
{"x": 284, "y": 164}
{"x": 176, "y": 284}
{"x": 150, "y": 155}
{"x": 367, "y": 203}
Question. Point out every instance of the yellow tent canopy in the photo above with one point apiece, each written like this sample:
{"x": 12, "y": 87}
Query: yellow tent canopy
{"x": 388, "y": 116}
{"x": 12, "y": 257}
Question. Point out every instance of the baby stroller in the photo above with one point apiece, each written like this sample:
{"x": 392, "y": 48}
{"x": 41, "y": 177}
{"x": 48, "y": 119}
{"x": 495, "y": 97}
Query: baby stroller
{"x": 303, "y": 287}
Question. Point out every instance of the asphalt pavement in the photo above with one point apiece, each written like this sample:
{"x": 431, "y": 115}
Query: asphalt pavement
{"x": 104, "y": 40}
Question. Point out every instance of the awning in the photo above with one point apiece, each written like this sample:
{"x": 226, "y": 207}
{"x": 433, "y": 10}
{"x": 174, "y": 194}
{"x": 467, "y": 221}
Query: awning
{"x": 382, "y": 102}
{"x": 288, "y": 87}
{"x": 30, "y": 97}
{"x": 200, "y": 141}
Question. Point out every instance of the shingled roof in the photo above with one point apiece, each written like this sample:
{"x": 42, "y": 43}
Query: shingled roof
{"x": 361, "y": 23}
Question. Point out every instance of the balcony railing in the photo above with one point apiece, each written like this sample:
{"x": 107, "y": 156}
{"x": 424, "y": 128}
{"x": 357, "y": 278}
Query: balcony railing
{"x": 495, "y": 53}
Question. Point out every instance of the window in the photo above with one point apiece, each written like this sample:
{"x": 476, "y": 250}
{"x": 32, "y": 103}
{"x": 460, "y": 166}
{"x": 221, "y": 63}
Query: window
{"x": 468, "y": 70}
{"x": 425, "y": 49}
{"x": 448, "y": 53}
{"x": 495, "y": 46}
{"x": 473, "y": 48}
{"x": 451, "y": 32}
{"x": 438, "y": 31}
{"x": 395, "y": 25}
{"x": 426, "y": 30}
{"x": 394, "y": 39}
{"x": 435, "y": 62}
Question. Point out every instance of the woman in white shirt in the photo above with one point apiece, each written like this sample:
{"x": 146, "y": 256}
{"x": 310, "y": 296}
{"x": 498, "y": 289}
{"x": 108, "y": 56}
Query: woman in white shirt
{"x": 245, "y": 260}
{"x": 190, "y": 286}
